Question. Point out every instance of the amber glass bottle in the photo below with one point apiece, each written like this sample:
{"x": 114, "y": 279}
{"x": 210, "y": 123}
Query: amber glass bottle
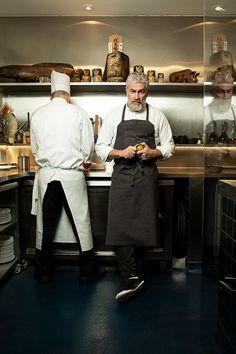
{"x": 223, "y": 138}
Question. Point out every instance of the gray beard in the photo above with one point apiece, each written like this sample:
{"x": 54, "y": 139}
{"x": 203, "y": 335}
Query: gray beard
{"x": 136, "y": 106}
{"x": 221, "y": 106}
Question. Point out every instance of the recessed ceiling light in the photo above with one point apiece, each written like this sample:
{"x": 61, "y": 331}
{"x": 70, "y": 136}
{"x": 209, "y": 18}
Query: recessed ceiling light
{"x": 219, "y": 8}
{"x": 88, "y": 7}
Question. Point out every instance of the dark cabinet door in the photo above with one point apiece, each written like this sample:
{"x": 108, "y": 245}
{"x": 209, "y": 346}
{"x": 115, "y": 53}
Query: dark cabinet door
{"x": 98, "y": 204}
{"x": 27, "y": 220}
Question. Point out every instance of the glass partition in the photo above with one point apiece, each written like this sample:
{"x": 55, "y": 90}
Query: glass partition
{"x": 219, "y": 95}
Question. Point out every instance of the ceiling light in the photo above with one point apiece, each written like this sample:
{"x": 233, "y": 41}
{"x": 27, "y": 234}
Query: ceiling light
{"x": 219, "y": 8}
{"x": 88, "y": 7}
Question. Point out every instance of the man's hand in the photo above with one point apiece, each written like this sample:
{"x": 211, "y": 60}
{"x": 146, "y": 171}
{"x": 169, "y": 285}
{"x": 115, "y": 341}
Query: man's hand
{"x": 147, "y": 153}
{"x": 129, "y": 152}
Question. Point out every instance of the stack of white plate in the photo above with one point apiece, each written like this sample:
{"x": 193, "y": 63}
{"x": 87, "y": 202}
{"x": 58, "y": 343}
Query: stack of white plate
{"x": 7, "y": 253}
{"x": 5, "y": 215}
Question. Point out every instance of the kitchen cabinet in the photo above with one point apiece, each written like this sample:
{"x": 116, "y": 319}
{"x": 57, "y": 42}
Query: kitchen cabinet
{"x": 227, "y": 226}
{"x": 9, "y": 199}
{"x": 226, "y": 319}
{"x": 98, "y": 194}
{"x": 27, "y": 220}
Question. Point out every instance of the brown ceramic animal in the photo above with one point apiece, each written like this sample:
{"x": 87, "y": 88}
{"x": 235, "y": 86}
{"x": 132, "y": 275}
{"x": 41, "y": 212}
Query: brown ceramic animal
{"x": 183, "y": 76}
{"x": 32, "y": 73}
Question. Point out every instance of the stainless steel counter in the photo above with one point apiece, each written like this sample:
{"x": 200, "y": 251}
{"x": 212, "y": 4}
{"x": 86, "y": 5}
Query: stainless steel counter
{"x": 165, "y": 173}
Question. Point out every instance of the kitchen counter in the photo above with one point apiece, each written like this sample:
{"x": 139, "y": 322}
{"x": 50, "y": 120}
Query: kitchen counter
{"x": 186, "y": 180}
{"x": 14, "y": 174}
{"x": 228, "y": 187}
{"x": 165, "y": 173}
{"x": 228, "y": 182}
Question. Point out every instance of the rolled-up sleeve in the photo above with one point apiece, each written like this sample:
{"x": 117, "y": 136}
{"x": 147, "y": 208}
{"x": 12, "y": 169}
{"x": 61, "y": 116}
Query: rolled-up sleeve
{"x": 164, "y": 138}
{"x": 33, "y": 143}
{"x": 105, "y": 140}
{"x": 87, "y": 138}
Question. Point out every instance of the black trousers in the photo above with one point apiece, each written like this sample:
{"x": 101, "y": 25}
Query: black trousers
{"x": 53, "y": 202}
{"x": 130, "y": 260}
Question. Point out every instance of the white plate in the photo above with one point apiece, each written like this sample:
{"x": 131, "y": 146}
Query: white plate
{"x": 7, "y": 253}
{"x": 6, "y": 240}
{"x": 8, "y": 250}
{"x": 5, "y": 220}
{"x": 5, "y": 211}
{"x": 5, "y": 167}
{"x": 7, "y": 259}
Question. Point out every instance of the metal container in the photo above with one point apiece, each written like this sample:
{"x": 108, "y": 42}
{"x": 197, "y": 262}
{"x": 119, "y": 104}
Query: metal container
{"x": 23, "y": 163}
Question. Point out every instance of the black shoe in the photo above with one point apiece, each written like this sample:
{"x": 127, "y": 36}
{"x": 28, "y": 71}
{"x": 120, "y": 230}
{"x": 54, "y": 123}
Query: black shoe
{"x": 86, "y": 278}
{"x": 130, "y": 287}
{"x": 42, "y": 277}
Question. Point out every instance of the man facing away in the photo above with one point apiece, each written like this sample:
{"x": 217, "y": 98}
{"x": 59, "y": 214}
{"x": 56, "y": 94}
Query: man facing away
{"x": 62, "y": 142}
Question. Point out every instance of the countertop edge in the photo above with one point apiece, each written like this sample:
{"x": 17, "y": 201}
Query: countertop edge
{"x": 164, "y": 173}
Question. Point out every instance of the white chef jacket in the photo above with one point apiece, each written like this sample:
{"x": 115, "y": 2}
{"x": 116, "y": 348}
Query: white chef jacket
{"x": 163, "y": 133}
{"x": 61, "y": 140}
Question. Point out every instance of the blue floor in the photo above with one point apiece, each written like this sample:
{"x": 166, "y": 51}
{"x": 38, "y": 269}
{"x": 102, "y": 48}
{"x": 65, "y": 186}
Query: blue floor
{"x": 175, "y": 314}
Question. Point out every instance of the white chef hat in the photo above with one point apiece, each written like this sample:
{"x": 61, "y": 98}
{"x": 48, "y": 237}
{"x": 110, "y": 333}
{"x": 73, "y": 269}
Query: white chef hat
{"x": 60, "y": 81}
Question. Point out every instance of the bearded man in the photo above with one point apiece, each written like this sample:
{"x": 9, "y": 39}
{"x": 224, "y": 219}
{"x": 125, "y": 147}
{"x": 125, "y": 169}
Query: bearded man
{"x": 221, "y": 112}
{"x": 135, "y": 136}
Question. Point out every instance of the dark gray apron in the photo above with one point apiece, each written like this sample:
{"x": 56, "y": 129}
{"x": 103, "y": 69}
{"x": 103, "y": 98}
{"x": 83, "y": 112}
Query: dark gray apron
{"x": 133, "y": 200}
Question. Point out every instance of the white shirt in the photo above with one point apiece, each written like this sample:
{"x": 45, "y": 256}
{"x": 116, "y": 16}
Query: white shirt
{"x": 107, "y": 135}
{"x": 61, "y": 135}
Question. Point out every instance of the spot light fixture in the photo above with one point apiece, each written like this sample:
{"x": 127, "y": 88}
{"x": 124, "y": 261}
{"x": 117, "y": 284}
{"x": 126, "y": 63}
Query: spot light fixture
{"x": 88, "y": 7}
{"x": 219, "y": 8}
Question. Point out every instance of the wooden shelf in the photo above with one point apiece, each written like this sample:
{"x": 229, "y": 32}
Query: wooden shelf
{"x": 36, "y": 88}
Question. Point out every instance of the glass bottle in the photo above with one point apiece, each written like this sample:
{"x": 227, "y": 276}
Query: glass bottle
{"x": 26, "y": 134}
{"x": 223, "y": 138}
{"x": 213, "y": 137}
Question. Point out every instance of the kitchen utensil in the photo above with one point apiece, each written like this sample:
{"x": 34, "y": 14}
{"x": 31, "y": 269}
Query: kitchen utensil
{"x": 23, "y": 162}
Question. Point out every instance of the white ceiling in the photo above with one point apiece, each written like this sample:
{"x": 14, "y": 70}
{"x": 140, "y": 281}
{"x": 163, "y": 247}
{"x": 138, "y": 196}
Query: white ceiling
{"x": 114, "y": 7}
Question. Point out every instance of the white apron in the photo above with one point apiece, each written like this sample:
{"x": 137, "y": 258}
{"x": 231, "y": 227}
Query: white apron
{"x": 74, "y": 186}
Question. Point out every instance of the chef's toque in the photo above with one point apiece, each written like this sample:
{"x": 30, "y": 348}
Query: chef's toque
{"x": 60, "y": 81}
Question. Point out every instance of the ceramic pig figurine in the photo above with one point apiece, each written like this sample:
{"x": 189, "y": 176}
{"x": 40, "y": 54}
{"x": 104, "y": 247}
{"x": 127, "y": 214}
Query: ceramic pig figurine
{"x": 183, "y": 76}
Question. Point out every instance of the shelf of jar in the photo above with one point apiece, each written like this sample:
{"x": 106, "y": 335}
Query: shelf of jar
{"x": 41, "y": 88}
{"x": 15, "y": 144}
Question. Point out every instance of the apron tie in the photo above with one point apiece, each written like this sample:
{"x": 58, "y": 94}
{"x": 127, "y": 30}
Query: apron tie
{"x": 140, "y": 166}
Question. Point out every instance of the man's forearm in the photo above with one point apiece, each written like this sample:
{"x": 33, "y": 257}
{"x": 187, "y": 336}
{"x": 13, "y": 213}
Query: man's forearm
{"x": 157, "y": 153}
{"x": 115, "y": 154}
